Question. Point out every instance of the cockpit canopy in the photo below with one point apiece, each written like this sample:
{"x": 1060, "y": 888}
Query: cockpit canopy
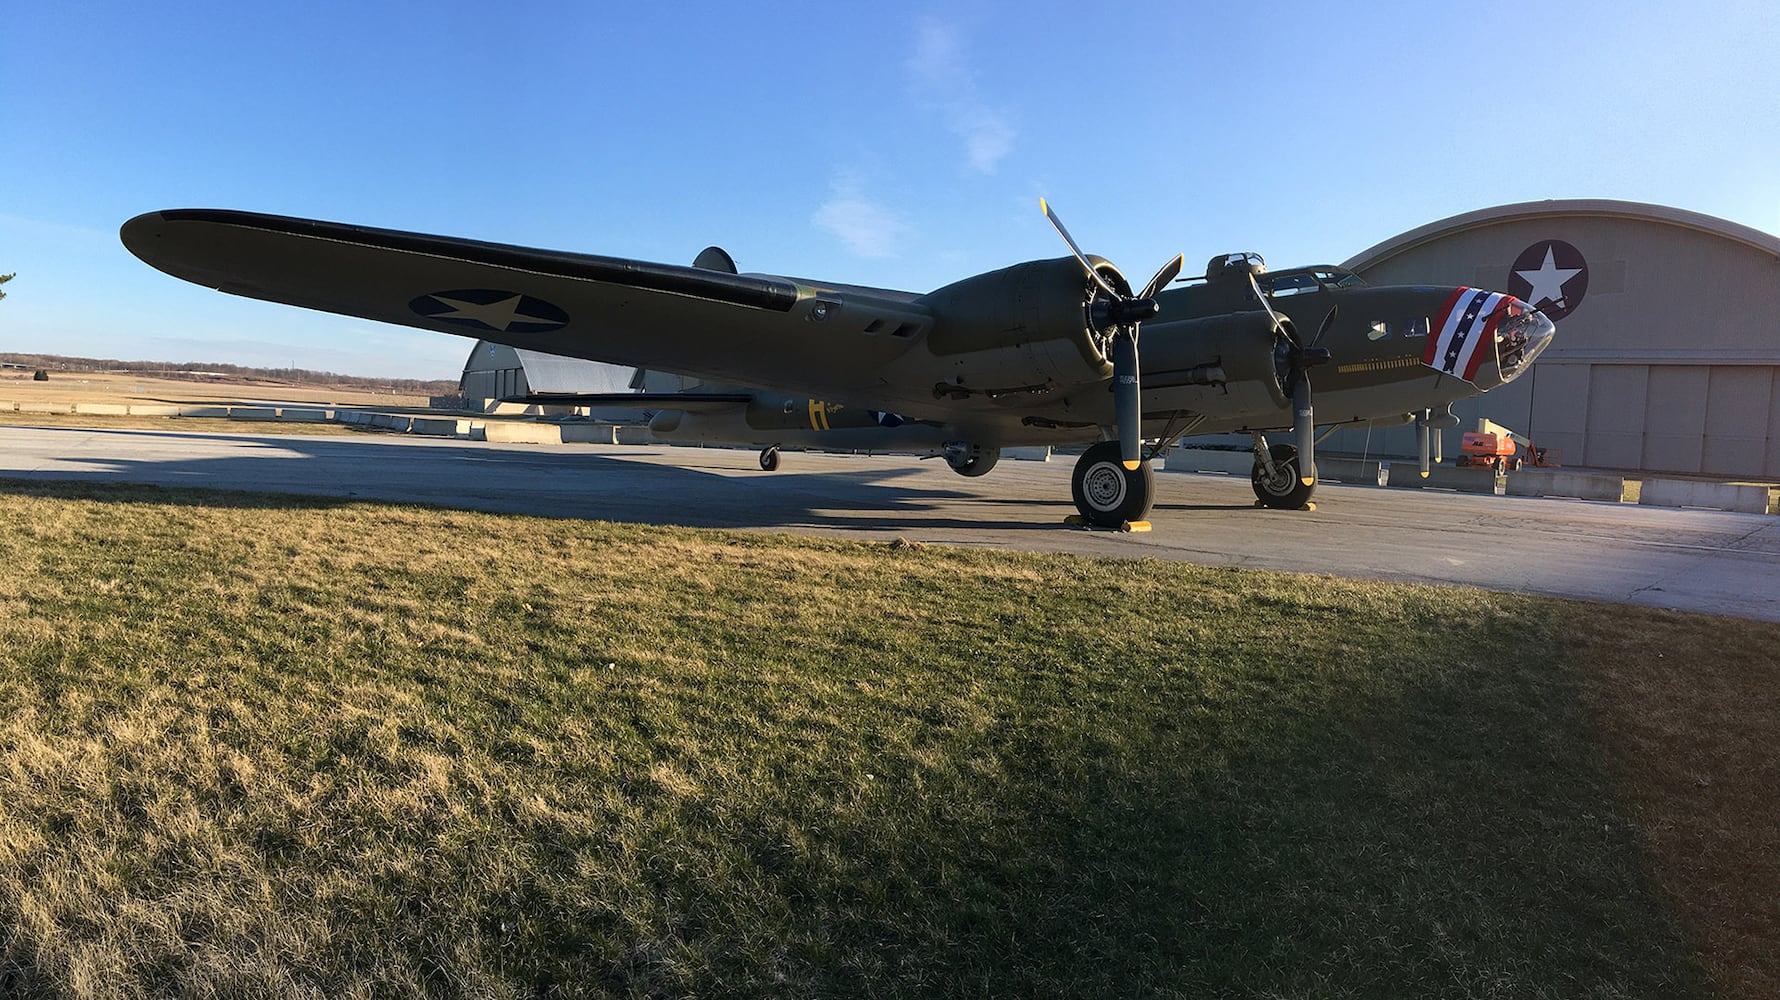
{"x": 1234, "y": 267}
{"x": 1299, "y": 280}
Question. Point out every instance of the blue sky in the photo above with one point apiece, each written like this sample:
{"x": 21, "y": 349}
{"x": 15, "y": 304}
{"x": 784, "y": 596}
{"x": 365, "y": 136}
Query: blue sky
{"x": 899, "y": 146}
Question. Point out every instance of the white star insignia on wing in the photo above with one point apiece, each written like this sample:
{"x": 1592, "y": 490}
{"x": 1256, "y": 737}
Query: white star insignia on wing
{"x": 495, "y": 315}
{"x": 1548, "y": 281}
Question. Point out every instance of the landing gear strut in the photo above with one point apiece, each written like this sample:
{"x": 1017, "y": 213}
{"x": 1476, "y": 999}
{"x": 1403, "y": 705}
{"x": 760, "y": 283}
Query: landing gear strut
{"x": 1275, "y": 477}
{"x": 1108, "y": 494}
{"x": 769, "y": 458}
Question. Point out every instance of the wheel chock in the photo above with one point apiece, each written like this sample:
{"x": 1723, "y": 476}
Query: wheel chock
{"x": 1308, "y": 505}
{"x": 1077, "y": 520}
{"x": 1131, "y": 526}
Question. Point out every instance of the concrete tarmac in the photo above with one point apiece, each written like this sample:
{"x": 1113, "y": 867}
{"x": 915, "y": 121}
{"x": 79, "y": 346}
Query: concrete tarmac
{"x": 1694, "y": 560}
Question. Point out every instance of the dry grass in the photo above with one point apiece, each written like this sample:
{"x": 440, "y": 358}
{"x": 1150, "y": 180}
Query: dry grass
{"x": 258, "y": 746}
{"x": 93, "y": 387}
{"x": 203, "y": 425}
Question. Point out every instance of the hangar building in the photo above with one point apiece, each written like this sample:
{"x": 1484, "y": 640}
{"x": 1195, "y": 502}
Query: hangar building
{"x": 1667, "y": 355}
{"x": 496, "y": 371}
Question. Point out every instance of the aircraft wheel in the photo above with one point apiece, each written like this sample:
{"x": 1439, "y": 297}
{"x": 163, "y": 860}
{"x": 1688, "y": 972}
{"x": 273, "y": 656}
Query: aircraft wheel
{"x": 769, "y": 459}
{"x": 1107, "y": 493}
{"x": 1283, "y": 491}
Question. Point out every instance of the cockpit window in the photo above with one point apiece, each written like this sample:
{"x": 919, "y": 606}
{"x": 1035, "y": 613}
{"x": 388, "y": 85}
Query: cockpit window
{"x": 1337, "y": 278}
{"x": 1310, "y": 279}
{"x": 1292, "y": 284}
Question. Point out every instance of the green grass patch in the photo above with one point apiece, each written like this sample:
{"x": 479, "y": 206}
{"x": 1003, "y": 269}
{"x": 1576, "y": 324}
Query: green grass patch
{"x": 256, "y": 745}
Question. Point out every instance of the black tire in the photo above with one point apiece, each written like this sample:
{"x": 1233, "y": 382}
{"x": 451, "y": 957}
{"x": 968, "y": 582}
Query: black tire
{"x": 769, "y": 459}
{"x": 1107, "y": 493}
{"x": 1284, "y": 491}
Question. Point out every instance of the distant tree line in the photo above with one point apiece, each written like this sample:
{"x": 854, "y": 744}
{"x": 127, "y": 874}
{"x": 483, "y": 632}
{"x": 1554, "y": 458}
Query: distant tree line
{"x": 195, "y": 371}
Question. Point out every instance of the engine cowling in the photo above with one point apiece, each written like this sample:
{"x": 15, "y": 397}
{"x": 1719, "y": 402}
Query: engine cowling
{"x": 1022, "y": 328}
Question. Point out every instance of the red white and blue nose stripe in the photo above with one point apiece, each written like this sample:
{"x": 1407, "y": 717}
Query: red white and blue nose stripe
{"x": 1464, "y": 330}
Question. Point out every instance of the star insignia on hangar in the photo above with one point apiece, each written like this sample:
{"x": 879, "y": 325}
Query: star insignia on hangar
{"x": 490, "y": 309}
{"x": 1541, "y": 274}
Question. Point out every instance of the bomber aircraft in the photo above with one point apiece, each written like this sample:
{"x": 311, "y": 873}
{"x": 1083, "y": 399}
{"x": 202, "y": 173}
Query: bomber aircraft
{"x": 1040, "y": 353}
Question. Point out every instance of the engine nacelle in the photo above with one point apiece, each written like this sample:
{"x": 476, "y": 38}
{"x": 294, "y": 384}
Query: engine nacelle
{"x": 1023, "y": 328}
{"x": 1240, "y": 344}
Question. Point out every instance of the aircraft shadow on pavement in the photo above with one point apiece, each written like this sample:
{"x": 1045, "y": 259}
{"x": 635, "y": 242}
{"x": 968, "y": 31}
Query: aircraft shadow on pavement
{"x": 329, "y": 472}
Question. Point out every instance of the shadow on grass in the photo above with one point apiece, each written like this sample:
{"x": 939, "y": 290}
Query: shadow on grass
{"x": 1452, "y": 837}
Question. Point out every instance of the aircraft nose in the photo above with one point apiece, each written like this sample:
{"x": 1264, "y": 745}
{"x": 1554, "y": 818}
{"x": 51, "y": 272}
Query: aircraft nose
{"x": 1522, "y": 334}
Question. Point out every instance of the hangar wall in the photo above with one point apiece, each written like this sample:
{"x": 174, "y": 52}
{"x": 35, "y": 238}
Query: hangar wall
{"x": 1668, "y": 356}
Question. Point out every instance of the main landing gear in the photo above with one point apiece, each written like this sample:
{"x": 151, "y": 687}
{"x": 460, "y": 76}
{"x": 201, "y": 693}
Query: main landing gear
{"x": 1108, "y": 494}
{"x": 1275, "y": 477}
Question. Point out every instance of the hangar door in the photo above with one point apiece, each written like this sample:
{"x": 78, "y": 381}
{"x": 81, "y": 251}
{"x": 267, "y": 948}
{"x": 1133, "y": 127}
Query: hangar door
{"x": 1694, "y": 419}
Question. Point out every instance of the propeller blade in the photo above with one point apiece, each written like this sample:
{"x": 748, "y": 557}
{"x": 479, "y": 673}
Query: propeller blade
{"x": 1169, "y": 272}
{"x": 1304, "y": 426}
{"x": 1127, "y": 399}
{"x": 1252, "y": 283}
{"x": 1058, "y": 224}
{"x": 1328, "y": 321}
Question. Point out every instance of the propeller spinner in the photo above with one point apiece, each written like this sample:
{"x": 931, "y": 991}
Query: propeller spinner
{"x": 1120, "y": 316}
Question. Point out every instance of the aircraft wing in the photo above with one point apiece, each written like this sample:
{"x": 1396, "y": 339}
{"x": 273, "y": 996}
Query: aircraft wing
{"x": 761, "y": 331}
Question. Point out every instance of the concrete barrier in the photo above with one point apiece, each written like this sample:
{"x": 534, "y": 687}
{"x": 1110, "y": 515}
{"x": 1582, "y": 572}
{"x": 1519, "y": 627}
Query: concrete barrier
{"x": 36, "y": 407}
{"x": 102, "y": 409}
{"x": 628, "y": 434}
{"x": 397, "y": 422}
{"x": 1207, "y": 460}
{"x": 1352, "y": 470}
{"x": 437, "y": 426}
{"x": 253, "y": 413}
{"x": 153, "y": 410}
{"x": 1688, "y": 493}
{"x": 522, "y": 432}
{"x": 1447, "y": 477}
{"x": 588, "y": 433}
{"x": 1566, "y": 483}
{"x": 1040, "y": 453}
{"x": 304, "y": 416}
{"x": 203, "y": 411}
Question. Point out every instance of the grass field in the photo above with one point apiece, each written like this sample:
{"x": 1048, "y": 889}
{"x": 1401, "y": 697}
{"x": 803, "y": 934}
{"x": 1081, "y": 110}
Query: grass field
{"x": 272, "y": 746}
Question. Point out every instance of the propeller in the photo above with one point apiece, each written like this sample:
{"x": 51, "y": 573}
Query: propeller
{"x": 1120, "y": 315}
{"x": 1298, "y": 359}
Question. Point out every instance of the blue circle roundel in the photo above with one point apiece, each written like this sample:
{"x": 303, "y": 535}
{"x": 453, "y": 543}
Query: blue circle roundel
{"x": 485, "y": 310}
{"x": 1551, "y": 276}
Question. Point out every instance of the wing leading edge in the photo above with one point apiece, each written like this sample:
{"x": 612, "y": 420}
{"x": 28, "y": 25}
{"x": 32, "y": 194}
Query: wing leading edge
{"x": 753, "y": 330}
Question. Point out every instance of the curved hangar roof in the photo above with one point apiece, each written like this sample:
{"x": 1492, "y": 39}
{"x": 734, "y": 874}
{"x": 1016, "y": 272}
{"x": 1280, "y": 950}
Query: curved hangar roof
{"x": 1625, "y": 281}
{"x": 1667, "y": 355}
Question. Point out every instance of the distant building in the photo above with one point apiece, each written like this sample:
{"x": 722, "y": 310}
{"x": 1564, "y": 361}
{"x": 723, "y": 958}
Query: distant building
{"x": 496, "y": 371}
{"x": 1667, "y": 356}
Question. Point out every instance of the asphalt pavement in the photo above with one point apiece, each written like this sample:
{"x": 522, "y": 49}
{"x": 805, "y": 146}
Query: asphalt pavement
{"x": 1695, "y": 560}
